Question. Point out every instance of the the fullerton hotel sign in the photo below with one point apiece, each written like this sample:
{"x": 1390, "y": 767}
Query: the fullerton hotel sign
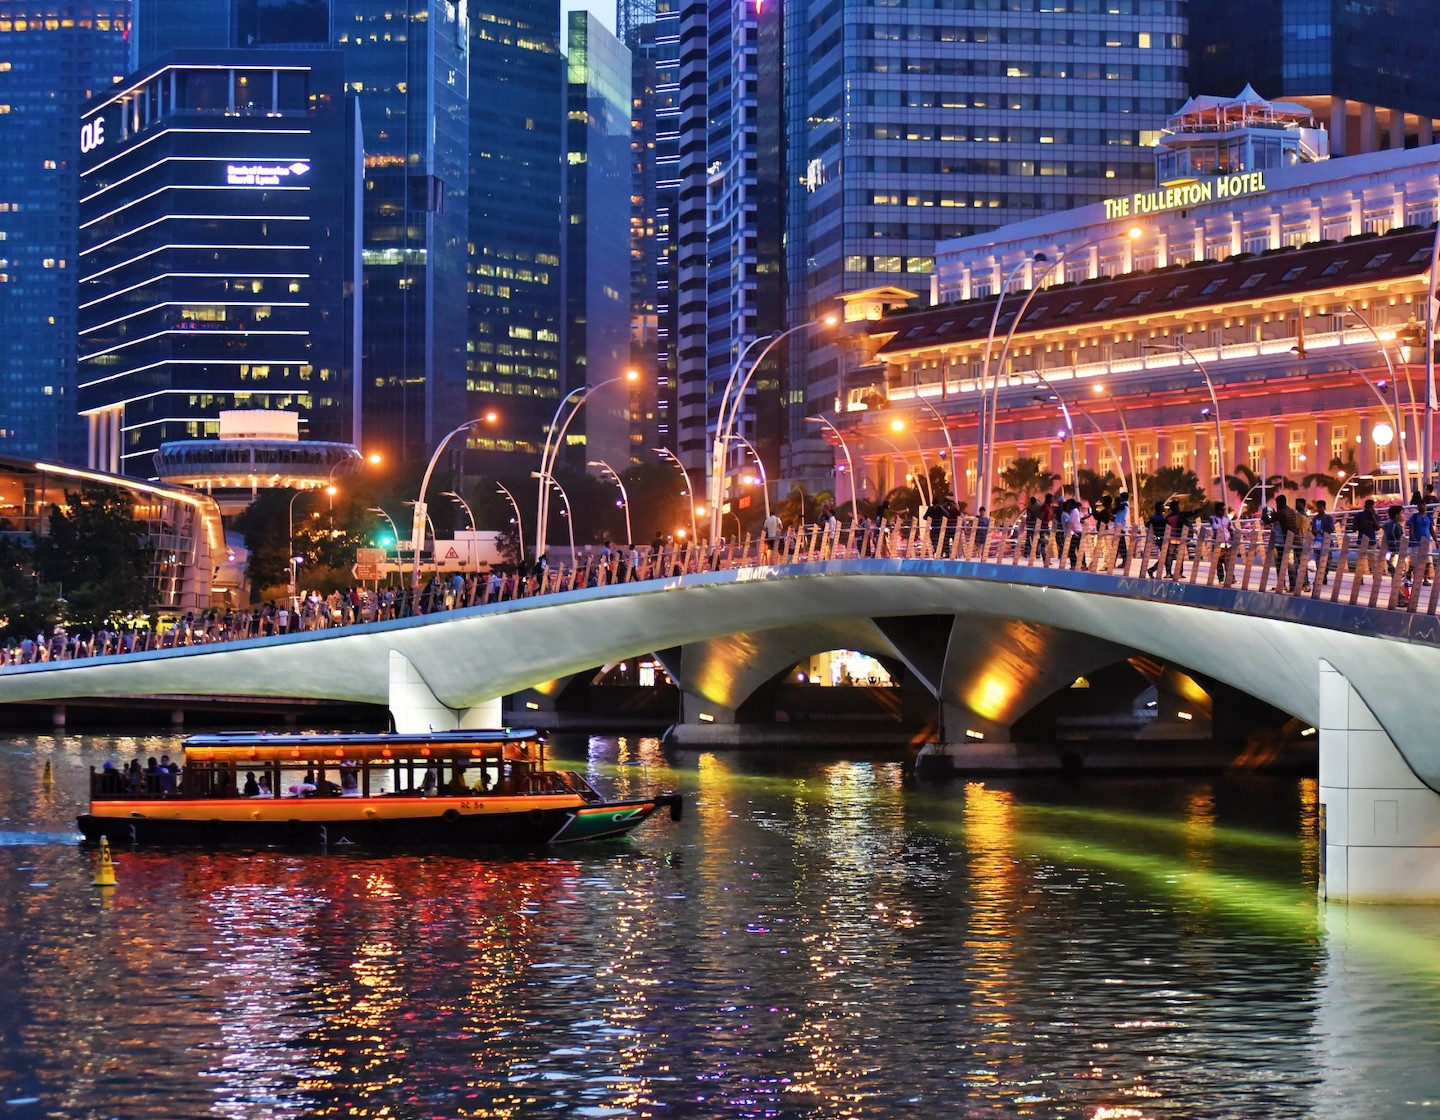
{"x": 1184, "y": 195}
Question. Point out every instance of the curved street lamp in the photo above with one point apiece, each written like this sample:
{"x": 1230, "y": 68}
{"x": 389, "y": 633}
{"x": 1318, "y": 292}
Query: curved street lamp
{"x": 1392, "y": 409}
{"x": 949, "y": 445}
{"x": 921, "y": 487}
{"x": 1180, "y": 347}
{"x": 764, "y": 478}
{"x": 730, "y": 401}
{"x": 554, "y": 438}
{"x": 394, "y": 531}
{"x": 982, "y": 473}
{"x": 666, "y": 453}
{"x": 1404, "y": 449}
{"x": 849, "y": 463}
{"x": 624, "y": 497}
{"x": 1134, "y": 482}
{"x": 500, "y": 488}
{"x": 1070, "y": 430}
{"x": 463, "y": 504}
{"x": 417, "y": 525}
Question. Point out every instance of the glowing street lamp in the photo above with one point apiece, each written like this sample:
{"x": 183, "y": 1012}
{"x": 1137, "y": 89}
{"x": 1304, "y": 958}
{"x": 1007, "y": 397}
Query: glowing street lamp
{"x": 554, "y": 440}
{"x": 731, "y": 400}
{"x": 519, "y": 525}
{"x": 764, "y": 479}
{"x": 463, "y": 504}
{"x": 417, "y": 528}
{"x": 1134, "y": 483}
{"x": 849, "y": 463}
{"x": 624, "y": 498}
{"x": 666, "y": 453}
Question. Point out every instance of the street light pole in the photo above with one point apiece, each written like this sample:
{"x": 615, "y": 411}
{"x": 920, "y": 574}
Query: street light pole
{"x": 1070, "y": 429}
{"x": 849, "y": 463}
{"x": 417, "y": 525}
{"x": 554, "y": 439}
{"x": 921, "y": 488}
{"x": 730, "y": 401}
{"x": 519, "y": 525}
{"x": 1180, "y": 347}
{"x": 1400, "y": 423}
{"x": 463, "y": 504}
{"x": 764, "y": 478}
{"x": 394, "y": 532}
{"x": 624, "y": 497}
{"x": 1394, "y": 412}
{"x": 666, "y": 453}
{"x": 1134, "y": 483}
{"x": 982, "y": 473}
{"x": 949, "y": 446}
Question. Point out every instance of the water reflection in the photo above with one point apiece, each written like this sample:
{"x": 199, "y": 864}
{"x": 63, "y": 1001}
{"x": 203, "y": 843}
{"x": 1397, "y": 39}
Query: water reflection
{"x": 816, "y": 939}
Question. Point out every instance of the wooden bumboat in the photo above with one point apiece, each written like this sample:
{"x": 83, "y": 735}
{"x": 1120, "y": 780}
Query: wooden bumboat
{"x": 373, "y": 791}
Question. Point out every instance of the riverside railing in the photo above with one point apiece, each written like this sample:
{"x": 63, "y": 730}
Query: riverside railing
{"x": 1338, "y": 567}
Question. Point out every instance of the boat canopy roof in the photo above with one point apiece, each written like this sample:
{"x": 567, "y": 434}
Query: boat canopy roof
{"x": 294, "y": 748}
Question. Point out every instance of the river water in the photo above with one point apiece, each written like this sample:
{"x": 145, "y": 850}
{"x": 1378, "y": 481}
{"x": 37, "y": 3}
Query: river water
{"x": 817, "y": 938}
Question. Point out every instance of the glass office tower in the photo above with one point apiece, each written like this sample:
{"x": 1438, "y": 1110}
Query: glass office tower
{"x": 1367, "y": 70}
{"x": 218, "y": 193}
{"x": 910, "y": 123}
{"x": 516, "y": 297}
{"x": 597, "y": 240}
{"x": 53, "y": 57}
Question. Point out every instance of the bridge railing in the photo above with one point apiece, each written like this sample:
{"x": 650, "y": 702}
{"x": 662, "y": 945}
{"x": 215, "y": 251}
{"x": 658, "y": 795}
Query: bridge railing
{"x": 1339, "y": 567}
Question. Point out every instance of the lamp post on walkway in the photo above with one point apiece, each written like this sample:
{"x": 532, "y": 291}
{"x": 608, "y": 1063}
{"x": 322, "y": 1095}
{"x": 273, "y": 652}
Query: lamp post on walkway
{"x": 897, "y": 425}
{"x": 417, "y": 525}
{"x": 624, "y": 498}
{"x": 1070, "y": 430}
{"x": 554, "y": 440}
{"x": 921, "y": 488}
{"x": 849, "y": 463}
{"x": 463, "y": 504}
{"x": 1134, "y": 483}
{"x": 1180, "y": 347}
{"x": 290, "y": 539}
{"x": 764, "y": 479}
{"x": 982, "y": 472}
{"x": 394, "y": 532}
{"x": 666, "y": 453}
{"x": 1392, "y": 409}
{"x": 949, "y": 446}
{"x": 731, "y": 400}
{"x": 519, "y": 525}
{"x": 1401, "y": 426}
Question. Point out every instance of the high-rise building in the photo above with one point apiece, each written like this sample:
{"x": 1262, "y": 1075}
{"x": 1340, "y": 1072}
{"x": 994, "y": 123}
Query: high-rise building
{"x": 407, "y": 64}
{"x": 1366, "y": 70}
{"x": 597, "y": 240}
{"x": 53, "y": 57}
{"x": 516, "y": 298}
{"x": 920, "y": 123}
{"x": 217, "y": 256}
{"x": 651, "y": 37}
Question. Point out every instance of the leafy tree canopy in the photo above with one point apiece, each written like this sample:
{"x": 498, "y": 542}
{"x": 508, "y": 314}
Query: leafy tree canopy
{"x": 96, "y": 553}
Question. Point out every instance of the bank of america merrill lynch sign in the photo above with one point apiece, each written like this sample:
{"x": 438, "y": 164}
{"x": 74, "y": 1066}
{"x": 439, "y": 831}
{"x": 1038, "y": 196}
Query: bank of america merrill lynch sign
{"x": 1187, "y": 194}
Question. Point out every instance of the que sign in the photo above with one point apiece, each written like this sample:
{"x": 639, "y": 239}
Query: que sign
{"x": 92, "y": 134}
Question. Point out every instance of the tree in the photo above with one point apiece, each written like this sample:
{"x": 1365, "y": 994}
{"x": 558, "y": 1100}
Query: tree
{"x": 1170, "y": 482}
{"x": 1095, "y": 486}
{"x": 96, "y": 552}
{"x": 1021, "y": 480}
{"x": 26, "y": 606}
{"x": 1246, "y": 483}
{"x": 1334, "y": 479}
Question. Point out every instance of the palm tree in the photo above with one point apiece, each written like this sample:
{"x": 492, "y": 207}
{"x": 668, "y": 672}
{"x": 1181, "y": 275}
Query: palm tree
{"x": 1018, "y": 482}
{"x": 1170, "y": 482}
{"x": 1246, "y": 483}
{"x": 900, "y": 500}
{"x": 1332, "y": 481}
{"x": 1094, "y": 486}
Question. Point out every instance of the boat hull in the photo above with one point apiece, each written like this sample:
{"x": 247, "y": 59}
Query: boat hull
{"x": 376, "y": 824}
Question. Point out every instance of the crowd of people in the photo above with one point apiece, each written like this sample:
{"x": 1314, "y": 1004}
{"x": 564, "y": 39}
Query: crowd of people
{"x": 1303, "y": 540}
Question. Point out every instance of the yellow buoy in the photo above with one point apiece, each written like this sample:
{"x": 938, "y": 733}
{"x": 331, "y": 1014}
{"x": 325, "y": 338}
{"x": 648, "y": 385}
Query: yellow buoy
{"x": 47, "y": 779}
{"x": 104, "y": 868}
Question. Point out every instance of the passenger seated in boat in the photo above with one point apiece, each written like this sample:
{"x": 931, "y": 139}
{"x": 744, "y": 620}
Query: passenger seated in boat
{"x": 430, "y": 784}
{"x": 305, "y": 787}
{"x": 349, "y": 781}
{"x": 251, "y": 788}
{"x": 111, "y": 783}
{"x": 265, "y": 790}
{"x": 456, "y": 786}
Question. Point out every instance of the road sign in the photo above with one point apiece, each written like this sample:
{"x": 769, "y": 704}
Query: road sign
{"x": 370, "y": 555}
{"x": 364, "y": 571}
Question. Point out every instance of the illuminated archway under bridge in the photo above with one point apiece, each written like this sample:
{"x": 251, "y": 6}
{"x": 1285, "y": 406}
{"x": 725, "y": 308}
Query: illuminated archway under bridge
{"x": 987, "y": 640}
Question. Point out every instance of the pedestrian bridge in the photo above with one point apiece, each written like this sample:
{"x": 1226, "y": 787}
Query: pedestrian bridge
{"x": 988, "y": 639}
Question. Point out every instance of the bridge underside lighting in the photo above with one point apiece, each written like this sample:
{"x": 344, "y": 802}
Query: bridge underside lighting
{"x": 706, "y": 717}
{"x": 971, "y": 733}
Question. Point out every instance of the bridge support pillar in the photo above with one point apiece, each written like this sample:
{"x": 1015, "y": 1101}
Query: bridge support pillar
{"x": 1379, "y": 824}
{"x": 969, "y": 742}
{"x": 416, "y": 710}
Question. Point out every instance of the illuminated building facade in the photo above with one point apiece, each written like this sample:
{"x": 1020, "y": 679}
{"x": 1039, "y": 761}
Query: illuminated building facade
{"x": 217, "y": 255}
{"x": 597, "y": 240}
{"x": 516, "y": 297}
{"x": 1299, "y": 287}
{"x": 53, "y": 57}
{"x": 190, "y": 566}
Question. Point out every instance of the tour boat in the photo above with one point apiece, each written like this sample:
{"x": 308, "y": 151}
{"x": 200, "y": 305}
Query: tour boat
{"x": 455, "y": 790}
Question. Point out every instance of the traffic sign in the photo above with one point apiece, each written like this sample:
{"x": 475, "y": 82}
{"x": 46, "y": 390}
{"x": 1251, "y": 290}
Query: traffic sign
{"x": 366, "y": 570}
{"x": 370, "y": 555}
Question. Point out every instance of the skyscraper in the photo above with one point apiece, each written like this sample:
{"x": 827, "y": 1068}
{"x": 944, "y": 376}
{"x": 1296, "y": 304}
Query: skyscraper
{"x": 597, "y": 236}
{"x": 1365, "y": 69}
{"x": 217, "y": 257}
{"x": 407, "y": 63}
{"x": 53, "y": 57}
{"x": 516, "y": 299}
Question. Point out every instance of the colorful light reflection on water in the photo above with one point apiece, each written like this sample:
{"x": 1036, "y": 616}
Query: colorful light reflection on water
{"x": 815, "y": 939}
